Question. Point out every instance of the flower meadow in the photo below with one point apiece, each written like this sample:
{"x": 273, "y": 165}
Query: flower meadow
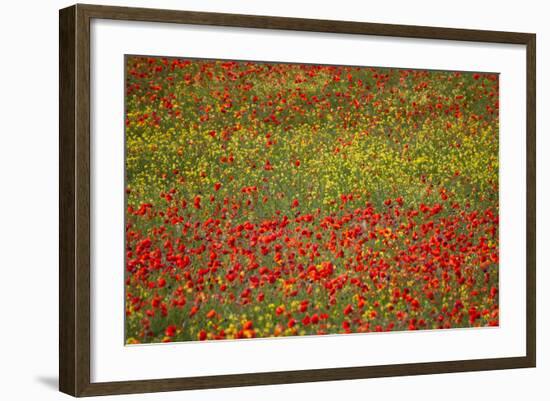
{"x": 267, "y": 199}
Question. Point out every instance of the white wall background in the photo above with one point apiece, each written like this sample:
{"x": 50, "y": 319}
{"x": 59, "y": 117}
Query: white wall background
{"x": 29, "y": 184}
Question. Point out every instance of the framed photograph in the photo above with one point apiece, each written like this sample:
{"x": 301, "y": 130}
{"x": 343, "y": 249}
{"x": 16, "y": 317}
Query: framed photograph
{"x": 250, "y": 200}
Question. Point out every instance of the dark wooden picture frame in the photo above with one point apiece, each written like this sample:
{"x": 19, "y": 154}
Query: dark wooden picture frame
{"x": 74, "y": 200}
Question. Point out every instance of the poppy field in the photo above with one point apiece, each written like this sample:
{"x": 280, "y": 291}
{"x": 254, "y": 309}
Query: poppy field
{"x": 267, "y": 199}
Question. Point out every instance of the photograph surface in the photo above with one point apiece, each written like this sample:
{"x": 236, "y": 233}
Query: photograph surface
{"x": 275, "y": 199}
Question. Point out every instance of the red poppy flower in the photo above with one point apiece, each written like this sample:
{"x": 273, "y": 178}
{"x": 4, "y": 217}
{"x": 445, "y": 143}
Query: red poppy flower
{"x": 171, "y": 330}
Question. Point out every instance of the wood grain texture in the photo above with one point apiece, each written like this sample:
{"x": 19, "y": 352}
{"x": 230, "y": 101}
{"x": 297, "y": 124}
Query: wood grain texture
{"x": 531, "y": 201}
{"x": 67, "y": 290}
{"x": 74, "y": 199}
{"x": 300, "y": 24}
{"x": 74, "y": 203}
{"x": 300, "y": 376}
